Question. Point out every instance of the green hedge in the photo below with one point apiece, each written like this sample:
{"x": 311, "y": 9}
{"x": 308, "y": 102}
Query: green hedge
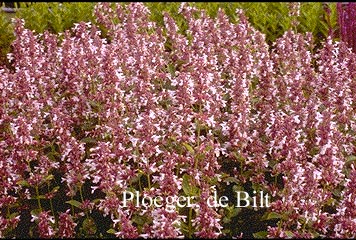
{"x": 56, "y": 17}
{"x": 270, "y": 18}
{"x": 6, "y": 36}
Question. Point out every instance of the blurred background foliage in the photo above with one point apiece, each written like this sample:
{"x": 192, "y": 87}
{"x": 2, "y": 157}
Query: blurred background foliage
{"x": 271, "y": 18}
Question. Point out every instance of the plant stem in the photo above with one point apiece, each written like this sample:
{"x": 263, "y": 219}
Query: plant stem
{"x": 139, "y": 183}
{"x": 51, "y": 203}
{"x": 82, "y": 199}
{"x": 190, "y": 223}
{"x": 38, "y": 198}
{"x": 72, "y": 207}
{"x": 8, "y": 211}
{"x": 81, "y": 194}
{"x": 149, "y": 181}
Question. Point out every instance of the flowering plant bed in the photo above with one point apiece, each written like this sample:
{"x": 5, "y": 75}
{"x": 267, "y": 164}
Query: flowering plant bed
{"x": 142, "y": 131}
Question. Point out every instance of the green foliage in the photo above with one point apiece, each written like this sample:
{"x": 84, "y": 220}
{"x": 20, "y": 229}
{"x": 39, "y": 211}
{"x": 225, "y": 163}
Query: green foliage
{"x": 271, "y": 18}
{"x": 157, "y": 10}
{"x": 313, "y": 18}
{"x": 55, "y": 17}
{"x": 40, "y": 16}
{"x": 6, "y": 36}
{"x": 188, "y": 188}
{"x": 89, "y": 227}
{"x": 74, "y": 203}
{"x": 260, "y": 235}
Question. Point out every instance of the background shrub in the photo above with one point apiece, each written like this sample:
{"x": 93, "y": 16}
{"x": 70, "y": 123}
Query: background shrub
{"x": 271, "y": 19}
{"x": 55, "y": 17}
{"x": 6, "y": 36}
{"x": 52, "y": 16}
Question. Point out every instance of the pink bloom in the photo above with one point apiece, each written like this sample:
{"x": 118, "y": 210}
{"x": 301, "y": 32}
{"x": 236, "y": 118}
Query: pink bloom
{"x": 66, "y": 227}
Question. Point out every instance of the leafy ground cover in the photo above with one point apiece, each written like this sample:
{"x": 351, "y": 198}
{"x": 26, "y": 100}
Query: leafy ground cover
{"x": 272, "y": 19}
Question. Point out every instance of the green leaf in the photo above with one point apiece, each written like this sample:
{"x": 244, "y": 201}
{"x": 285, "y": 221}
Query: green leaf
{"x": 96, "y": 200}
{"x": 89, "y": 226}
{"x": 330, "y": 202}
{"x": 261, "y": 234}
{"x": 171, "y": 68}
{"x": 55, "y": 189}
{"x": 316, "y": 235}
{"x": 189, "y": 148}
{"x": 23, "y": 183}
{"x": 226, "y": 231}
{"x": 184, "y": 227}
{"x": 88, "y": 140}
{"x": 188, "y": 188}
{"x": 35, "y": 212}
{"x": 186, "y": 184}
{"x": 95, "y": 105}
{"x": 53, "y": 156}
{"x": 13, "y": 215}
{"x": 74, "y": 203}
{"x": 111, "y": 231}
{"x": 41, "y": 197}
{"x": 49, "y": 177}
{"x": 136, "y": 178}
{"x": 232, "y": 211}
{"x": 226, "y": 220}
{"x": 350, "y": 159}
{"x": 337, "y": 192}
{"x": 237, "y": 188}
{"x": 289, "y": 234}
{"x": 231, "y": 179}
{"x": 238, "y": 157}
{"x": 139, "y": 220}
{"x": 271, "y": 215}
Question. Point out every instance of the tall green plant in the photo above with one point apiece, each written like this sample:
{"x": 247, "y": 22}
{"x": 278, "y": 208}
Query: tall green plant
{"x": 55, "y": 17}
{"x": 6, "y": 36}
{"x": 272, "y": 19}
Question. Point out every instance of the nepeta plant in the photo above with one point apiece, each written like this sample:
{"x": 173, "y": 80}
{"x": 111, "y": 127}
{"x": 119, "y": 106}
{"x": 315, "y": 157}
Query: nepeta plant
{"x": 87, "y": 118}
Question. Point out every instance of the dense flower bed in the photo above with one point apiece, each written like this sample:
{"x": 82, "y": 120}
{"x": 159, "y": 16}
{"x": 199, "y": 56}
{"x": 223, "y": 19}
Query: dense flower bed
{"x": 85, "y": 119}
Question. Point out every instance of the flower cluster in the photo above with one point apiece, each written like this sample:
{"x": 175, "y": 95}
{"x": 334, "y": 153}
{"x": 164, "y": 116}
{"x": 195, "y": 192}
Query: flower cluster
{"x": 346, "y": 18}
{"x": 125, "y": 105}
